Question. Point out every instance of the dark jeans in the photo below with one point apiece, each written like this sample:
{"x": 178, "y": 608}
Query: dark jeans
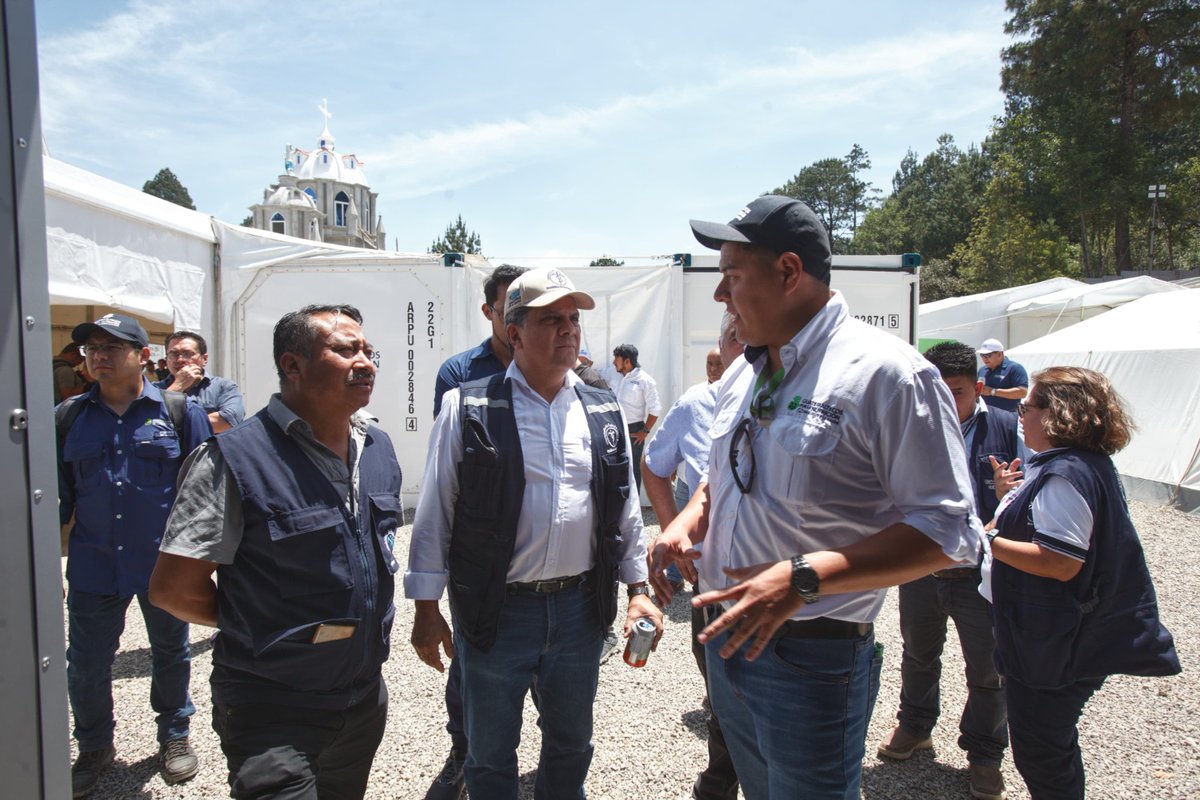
{"x": 636, "y": 454}
{"x": 1045, "y": 737}
{"x": 296, "y": 753}
{"x": 95, "y": 623}
{"x": 548, "y": 644}
{"x": 719, "y": 780}
{"x": 925, "y": 605}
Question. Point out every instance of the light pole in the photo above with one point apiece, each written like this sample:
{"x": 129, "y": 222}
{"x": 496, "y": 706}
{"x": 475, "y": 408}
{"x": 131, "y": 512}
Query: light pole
{"x": 1156, "y": 191}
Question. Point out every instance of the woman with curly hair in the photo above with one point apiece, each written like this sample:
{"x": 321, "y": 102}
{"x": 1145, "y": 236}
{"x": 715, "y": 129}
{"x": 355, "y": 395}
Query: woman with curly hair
{"x": 1072, "y": 599}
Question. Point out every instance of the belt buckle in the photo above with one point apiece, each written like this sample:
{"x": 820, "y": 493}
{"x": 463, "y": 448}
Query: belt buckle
{"x": 546, "y": 587}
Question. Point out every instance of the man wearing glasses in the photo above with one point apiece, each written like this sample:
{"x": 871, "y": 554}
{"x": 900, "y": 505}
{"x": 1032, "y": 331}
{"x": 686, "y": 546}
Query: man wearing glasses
{"x": 117, "y": 465}
{"x": 187, "y": 358}
{"x": 837, "y": 469}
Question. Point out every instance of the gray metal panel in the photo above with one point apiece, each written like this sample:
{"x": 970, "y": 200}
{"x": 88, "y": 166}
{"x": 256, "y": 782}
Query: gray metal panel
{"x": 34, "y": 749}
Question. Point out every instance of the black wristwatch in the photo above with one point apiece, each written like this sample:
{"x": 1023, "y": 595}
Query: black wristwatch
{"x": 634, "y": 591}
{"x": 805, "y": 580}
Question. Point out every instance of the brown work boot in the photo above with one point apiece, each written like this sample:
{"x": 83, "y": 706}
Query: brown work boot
{"x": 986, "y": 782}
{"x": 901, "y": 744}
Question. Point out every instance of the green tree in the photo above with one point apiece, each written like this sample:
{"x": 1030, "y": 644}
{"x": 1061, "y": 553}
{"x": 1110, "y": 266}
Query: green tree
{"x": 1109, "y": 85}
{"x": 835, "y": 192}
{"x": 166, "y": 186}
{"x": 606, "y": 261}
{"x": 933, "y": 202}
{"x": 457, "y": 239}
{"x": 1007, "y": 246}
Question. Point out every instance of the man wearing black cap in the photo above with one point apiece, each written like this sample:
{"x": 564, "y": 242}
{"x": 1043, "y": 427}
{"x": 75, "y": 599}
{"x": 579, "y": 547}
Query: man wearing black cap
{"x": 117, "y": 465}
{"x": 812, "y": 506}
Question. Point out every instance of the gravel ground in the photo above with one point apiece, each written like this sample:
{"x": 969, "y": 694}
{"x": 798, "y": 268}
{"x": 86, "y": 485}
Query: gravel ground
{"x": 1140, "y": 737}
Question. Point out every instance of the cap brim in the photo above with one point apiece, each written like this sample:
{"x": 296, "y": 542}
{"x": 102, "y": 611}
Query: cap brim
{"x": 85, "y": 329}
{"x": 583, "y": 300}
{"x": 714, "y": 234}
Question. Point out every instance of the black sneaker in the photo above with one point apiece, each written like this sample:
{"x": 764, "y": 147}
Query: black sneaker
{"x": 87, "y": 769}
{"x": 179, "y": 762}
{"x": 451, "y": 784}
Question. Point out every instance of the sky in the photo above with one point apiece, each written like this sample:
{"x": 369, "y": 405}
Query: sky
{"x": 560, "y": 131}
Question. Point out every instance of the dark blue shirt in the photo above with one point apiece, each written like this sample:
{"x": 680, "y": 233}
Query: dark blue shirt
{"x": 1008, "y": 375}
{"x": 117, "y": 475}
{"x": 469, "y": 365}
{"x": 214, "y": 393}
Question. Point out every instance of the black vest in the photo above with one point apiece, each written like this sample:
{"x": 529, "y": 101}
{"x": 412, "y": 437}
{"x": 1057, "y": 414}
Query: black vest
{"x": 1104, "y": 621}
{"x": 491, "y": 485}
{"x": 995, "y": 434}
{"x": 304, "y": 561}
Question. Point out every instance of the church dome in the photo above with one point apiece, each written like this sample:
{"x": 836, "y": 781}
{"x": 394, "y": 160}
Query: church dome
{"x": 290, "y": 196}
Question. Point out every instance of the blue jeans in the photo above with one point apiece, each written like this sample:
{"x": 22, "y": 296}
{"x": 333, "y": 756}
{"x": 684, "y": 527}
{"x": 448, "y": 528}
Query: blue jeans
{"x": 95, "y": 623}
{"x": 795, "y": 720}
{"x": 549, "y": 644}
{"x": 682, "y": 495}
{"x": 925, "y": 605}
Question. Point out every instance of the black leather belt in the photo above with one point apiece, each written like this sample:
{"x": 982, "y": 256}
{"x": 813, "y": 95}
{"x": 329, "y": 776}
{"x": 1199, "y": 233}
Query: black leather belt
{"x": 824, "y": 628}
{"x": 818, "y": 628}
{"x": 543, "y": 587}
{"x": 958, "y": 574}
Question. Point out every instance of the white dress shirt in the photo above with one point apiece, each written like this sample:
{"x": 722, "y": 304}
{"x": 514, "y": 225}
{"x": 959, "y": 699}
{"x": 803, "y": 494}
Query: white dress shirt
{"x": 865, "y": 435}
{"x": 681, "y": 437}
{"x": 555, "y": 530}
{"x": 637, "y": 393}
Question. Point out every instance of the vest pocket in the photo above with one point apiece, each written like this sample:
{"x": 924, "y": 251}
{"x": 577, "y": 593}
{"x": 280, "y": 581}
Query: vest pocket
{"x": 309, "y": 551}
{"x": 385, "y": 514}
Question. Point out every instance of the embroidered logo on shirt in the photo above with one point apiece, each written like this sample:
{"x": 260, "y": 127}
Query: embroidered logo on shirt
{"x": 806, "y": 405}
{"x": 611, "y": 437}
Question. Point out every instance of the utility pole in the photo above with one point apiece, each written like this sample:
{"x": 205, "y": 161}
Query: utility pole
{"x": 1156, "y": 191}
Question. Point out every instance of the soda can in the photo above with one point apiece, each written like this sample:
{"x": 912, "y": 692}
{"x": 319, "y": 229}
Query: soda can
{"x": 637, "y": 650}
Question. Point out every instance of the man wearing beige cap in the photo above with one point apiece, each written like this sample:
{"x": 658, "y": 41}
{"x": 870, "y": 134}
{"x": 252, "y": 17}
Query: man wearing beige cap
{"x": 1005, "y": 382}
{"x": 526, "y": 514}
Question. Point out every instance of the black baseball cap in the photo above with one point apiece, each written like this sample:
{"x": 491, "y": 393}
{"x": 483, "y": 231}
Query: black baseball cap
{"x": 117, "y": 325}
{"x": 782, "y": 224}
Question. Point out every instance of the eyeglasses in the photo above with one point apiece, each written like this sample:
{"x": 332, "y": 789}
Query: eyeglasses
{"x": 187, "y": 355}
{"x": 744, "y": 431}
{"x": 1022, "y": 407}
{"x": 112, "y": 349}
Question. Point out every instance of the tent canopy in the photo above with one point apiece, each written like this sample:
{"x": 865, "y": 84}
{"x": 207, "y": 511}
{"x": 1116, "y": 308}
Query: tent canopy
{"x": 1149, "y": 349}
{"x": 111, "y": 245}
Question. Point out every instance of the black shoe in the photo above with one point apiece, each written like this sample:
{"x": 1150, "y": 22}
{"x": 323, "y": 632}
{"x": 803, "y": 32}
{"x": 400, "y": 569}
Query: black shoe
{"x": 451, "y": 784}
{"x": 87, "y": 769}
{"x": 179, "y": 762}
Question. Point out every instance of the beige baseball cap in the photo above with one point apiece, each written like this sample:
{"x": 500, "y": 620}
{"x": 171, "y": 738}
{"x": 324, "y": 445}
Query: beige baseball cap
{"x": 541, "y": 287}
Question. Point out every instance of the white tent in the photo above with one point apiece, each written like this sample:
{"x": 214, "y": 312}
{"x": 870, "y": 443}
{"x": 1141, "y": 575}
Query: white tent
{"x": 110, "y": 245}
{"x": 1038, "y": 316}
{"x": 1150, "y": 350}
{"x": 976, "y": 317}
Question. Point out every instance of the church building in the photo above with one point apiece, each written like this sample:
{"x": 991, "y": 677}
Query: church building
{"x": 322, "y": 195}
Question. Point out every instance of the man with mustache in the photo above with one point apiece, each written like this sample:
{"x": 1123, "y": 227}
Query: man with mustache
{"x": 296, "y": 511}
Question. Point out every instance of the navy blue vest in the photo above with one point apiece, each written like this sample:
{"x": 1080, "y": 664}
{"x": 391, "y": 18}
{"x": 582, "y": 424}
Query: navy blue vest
{"x": 491, "y": 485}
{"x": 995, "y": 434}
{"x": 305, "y": 561}
{"x": 1104, "y": 621}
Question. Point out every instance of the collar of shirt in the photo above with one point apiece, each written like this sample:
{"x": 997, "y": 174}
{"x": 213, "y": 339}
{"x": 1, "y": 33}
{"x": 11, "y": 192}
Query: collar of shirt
{"x": 484, "y": 350}
{"x": 285, "y": 418}
{"x": 514, "y": 374}
{"x": 968, "y": 425}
